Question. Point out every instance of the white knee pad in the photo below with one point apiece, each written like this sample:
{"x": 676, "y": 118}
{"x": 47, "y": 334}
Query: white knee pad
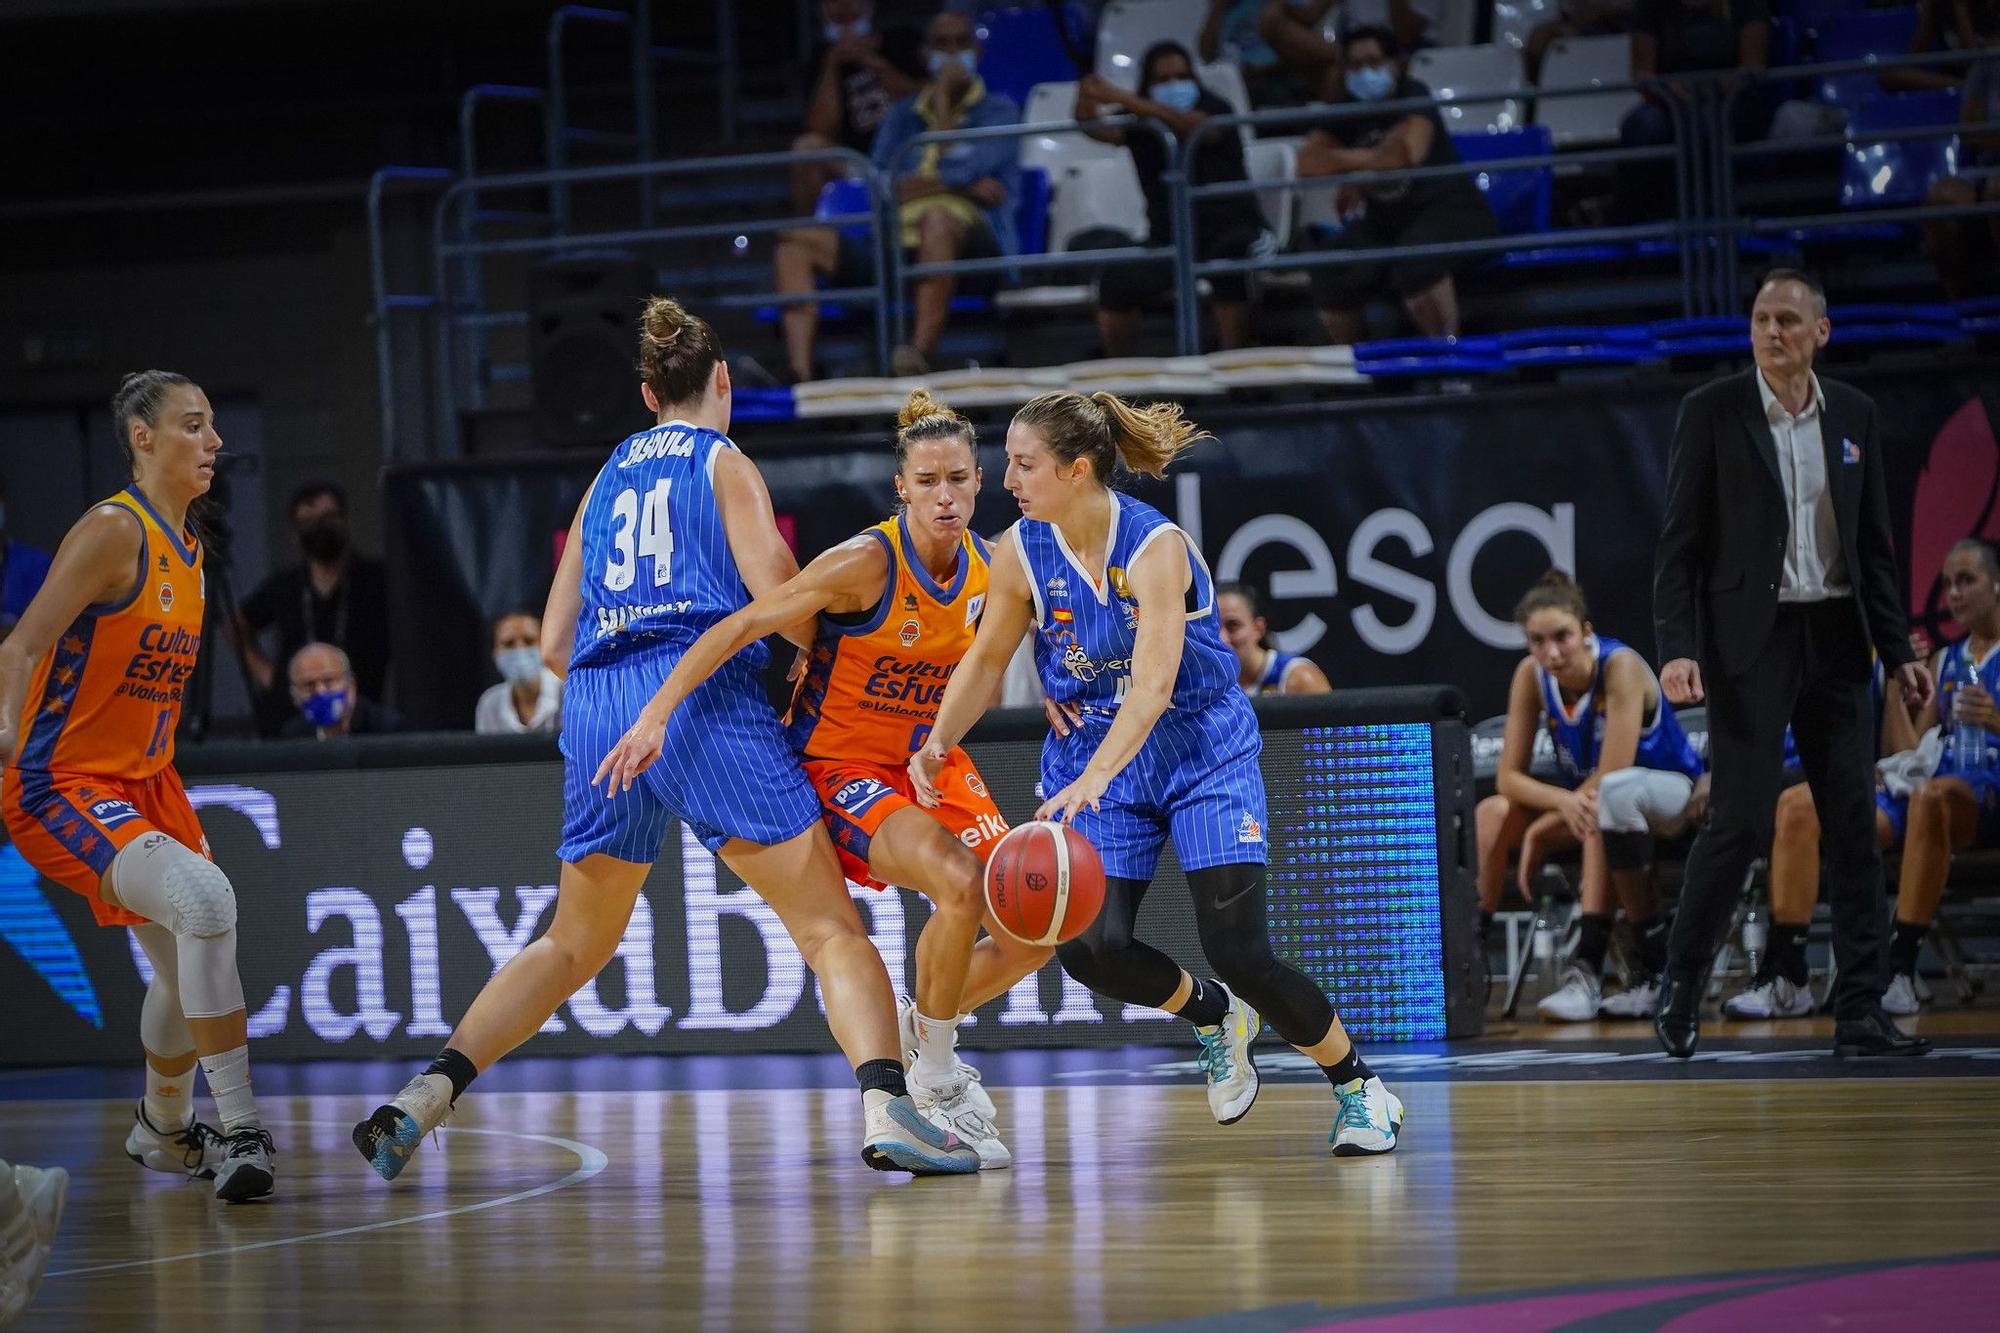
{"x": 1642, "y": 800}
{"x": 187, "y": 893}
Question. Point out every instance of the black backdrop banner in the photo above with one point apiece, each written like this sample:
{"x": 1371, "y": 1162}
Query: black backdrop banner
{"x": 375, "y": 901}
{"x": 1394, "y": 538}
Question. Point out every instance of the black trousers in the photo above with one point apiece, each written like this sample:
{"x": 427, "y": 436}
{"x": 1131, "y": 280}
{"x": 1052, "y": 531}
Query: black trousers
{"x": 1813, "y": 674}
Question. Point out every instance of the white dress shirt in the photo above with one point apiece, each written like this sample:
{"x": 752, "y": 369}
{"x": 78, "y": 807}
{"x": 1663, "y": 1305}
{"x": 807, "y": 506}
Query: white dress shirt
{"x": 1813, "y": 570}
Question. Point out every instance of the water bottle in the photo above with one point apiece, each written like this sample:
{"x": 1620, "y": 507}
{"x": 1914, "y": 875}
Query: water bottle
{"x": 1756, "y": 928}
{"x": 1968, "y": 742}
{"x": 1545, "y": 930}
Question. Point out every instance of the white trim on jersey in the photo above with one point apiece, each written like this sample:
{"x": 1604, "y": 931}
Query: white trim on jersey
{"x": 1028, "y": 575}
{"x": 1100, "y": 584}
{"x": 1187, "y": 542}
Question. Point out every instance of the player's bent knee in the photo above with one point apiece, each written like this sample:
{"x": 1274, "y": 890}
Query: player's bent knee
{"x": 164, "y": 881}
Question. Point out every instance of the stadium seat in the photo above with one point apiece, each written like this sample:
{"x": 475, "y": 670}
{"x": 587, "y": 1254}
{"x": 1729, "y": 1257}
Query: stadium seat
{"x": 1457, "y": 23}
{"x": 1276, "y": 161}
{"x": 1865, "y": 34}
{"x": 1024, "y": 46}
{"x": 1048, "y": 103}
{"x": 1577, "y": 62}
{"x": 1454, "y": 71}
{"x": 844, "y": 196}
{"x": 1396, "y": 358}
{"x": 1031, "y": 211}
{"x": 1515, "y": 20}
{"x": 1093, "y": 193}
{"x": 1127, "y": 27}
{"x": 1898, "y": 172}
{"x": 1520, "y": 197}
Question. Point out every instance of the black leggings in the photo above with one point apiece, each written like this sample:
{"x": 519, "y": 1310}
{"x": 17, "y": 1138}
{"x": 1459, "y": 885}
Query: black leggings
{"x": 1229, "y": 914}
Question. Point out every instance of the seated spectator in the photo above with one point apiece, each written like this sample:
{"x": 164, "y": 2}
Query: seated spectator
{"x": 1261, "y": 667}
{"x": 1780, "y": 988}
{"x": 1959, "y": 807}
{"x": 1230, "y": 31}
{"x": 22, "y": 571}
{"x": 1629, "y": 774}
{"x": 1228, "y": 228}
{"x": 335, "y": 595}
{"x": 862, "y": 72}
{"x": 1967, "y": 250}
{"x": 1942, "y": 25}
{"x": 1390, "y": 213}
{"x": 329, "y": 705}
{"x": 1297, "y": 29}
{"x": 958, "y": 200}
{"x": 1576, "y": 18}
{"x": 1682, "y": 37}
{"x": 529, "y": 695}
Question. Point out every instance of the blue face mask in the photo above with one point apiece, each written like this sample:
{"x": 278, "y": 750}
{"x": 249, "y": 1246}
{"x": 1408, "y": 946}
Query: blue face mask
{"x": 1179, "y": 94}
{"x": 861, "y": 27}
{"x": 325, "y": 708}
{"x": 967, "y": 60}
{"x": 1371, "y": 83}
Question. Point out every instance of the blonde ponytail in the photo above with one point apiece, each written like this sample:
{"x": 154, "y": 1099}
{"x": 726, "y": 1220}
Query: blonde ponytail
{"x": 1148, "y": 439}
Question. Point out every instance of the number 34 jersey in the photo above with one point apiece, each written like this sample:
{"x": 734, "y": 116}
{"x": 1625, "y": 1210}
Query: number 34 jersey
{"x": 657, "y": 569}
{"x": 107, "y": 697}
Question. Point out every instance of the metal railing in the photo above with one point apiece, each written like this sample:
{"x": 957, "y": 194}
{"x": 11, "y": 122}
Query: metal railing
{"x": 1705, "y": 223}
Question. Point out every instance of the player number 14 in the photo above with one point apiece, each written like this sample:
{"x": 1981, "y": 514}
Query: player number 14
{"x": 655, "y": 539}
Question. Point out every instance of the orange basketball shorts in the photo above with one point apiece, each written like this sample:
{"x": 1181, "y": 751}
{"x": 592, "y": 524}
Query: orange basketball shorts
{"x": 858, "y": 796}
{"x": 69, "y": 826}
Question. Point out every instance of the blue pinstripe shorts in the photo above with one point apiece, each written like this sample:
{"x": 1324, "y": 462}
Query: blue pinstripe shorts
{"x": 1195, "y": 780}
{"x": 725, "y": 767}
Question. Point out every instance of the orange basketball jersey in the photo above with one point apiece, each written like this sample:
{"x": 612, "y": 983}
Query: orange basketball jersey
{"x": 107, "y": 698}
{"x": 872, "y": 688}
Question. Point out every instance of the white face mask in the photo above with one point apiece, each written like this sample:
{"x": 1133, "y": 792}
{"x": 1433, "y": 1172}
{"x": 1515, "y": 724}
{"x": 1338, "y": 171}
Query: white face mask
{"x": 861, "y": 27}
{"x": 520, "y": 666}
{"x": 939, "y": 60}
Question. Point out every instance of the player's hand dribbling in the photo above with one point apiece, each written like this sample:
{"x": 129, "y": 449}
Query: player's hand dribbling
{"x": 635, "y": 752}
{"x": 1680, "y": 681}
{"x": 1086, "y": 790}
{"x": 924, "y": 766}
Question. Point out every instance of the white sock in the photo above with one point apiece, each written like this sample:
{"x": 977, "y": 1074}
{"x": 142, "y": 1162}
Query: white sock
{"x": 229, "y": 1083}
{"x": 169, "y": 1098}
{"x": 936, "y": 1038}
{"x": 873, "y": 1099}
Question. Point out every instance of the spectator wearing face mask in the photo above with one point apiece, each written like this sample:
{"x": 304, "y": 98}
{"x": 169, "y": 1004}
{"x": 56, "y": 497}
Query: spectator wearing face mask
{"x": 529, "y": 695}
{"x": 335, "y": 595}
{"x": 327, "y": 703}
{"x": 864, "y": 69}
{"x": 22, "y": 571}
{"x": 1381, "y": 214}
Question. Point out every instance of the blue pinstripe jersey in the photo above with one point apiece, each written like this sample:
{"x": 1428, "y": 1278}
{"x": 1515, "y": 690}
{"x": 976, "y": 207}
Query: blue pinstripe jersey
{"x": 1273, "y": 679}
{"x": 1578, "y": 729}
{"x": 1084, "y": 648}
{"x": 657, "y": 569}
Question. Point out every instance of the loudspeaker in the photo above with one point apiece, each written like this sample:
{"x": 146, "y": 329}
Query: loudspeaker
{"x": 583, "y": 337}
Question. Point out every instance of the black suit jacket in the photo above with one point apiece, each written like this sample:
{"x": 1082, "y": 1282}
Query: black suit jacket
{"x": 1722, "y": 549}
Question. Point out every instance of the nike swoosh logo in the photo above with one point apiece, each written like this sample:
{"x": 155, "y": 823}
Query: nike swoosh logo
{"x": 1237, "y": 896}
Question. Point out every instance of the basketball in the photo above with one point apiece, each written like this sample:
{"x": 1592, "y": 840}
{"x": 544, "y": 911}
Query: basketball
{"x": 1044, "y": 883}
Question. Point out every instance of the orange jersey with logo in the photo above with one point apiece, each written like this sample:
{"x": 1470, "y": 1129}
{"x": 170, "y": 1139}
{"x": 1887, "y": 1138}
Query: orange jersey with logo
{"x": 106, "y": 699}
{"x": 872, "y": 689}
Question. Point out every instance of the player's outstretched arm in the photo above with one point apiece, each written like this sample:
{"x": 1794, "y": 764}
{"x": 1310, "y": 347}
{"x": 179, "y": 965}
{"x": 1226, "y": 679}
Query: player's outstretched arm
{"x": 976, "y": 683}
{"x": 1159, "y": 581}
{"x": 97, "y": 564}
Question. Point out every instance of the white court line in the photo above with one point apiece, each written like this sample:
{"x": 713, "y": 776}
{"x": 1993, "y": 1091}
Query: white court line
{"x": 589, "y": 1162}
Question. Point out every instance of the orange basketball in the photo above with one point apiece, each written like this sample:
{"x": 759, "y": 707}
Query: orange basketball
{"x": 1044, "y": 883}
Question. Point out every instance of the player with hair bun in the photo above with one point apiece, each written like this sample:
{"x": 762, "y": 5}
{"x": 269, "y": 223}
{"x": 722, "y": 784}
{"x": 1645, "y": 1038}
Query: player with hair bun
{"x": 894, "y": 610}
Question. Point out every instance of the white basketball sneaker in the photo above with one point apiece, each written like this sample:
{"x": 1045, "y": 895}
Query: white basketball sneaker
{"x": 1226, "y": 1061}
{"x": 906, "y": 1027}
{"x": 247, "y": 1172}
{"x": 1773, "y": 997}
{"x": 29, "y": 1234}
{"x": 951, "y": 1107}
{"x": 897, "y": 1137}
{"x": 1368, "y": 1121}
{"x": 390, "y": 1137}
{"x": 1576, "y": 1000}
{"x": 1907, "y": 993}
{"x": 194, "y": 1151}
{"x": 1640, "y": 1001}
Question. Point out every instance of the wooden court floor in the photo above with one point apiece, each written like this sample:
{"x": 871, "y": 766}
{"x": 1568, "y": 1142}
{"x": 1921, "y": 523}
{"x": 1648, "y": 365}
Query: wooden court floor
{"x": 1127, "y": 1206}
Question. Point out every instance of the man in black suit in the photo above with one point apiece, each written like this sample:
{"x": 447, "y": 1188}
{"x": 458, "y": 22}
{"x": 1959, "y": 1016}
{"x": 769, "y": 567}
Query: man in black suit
{"x": 1775, "y": 573}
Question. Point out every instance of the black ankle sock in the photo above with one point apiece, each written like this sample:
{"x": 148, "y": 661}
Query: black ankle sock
{"x": 1652, "y": 937}
{"x": 1350, "y": 1068}
{"x": 883, "y": 1075}
{"x": 1207, "y": 1004}
{"x": 1903, "y": 948}
{"x": 1785, "y": 954}
{"x": 1595, "y": 938}
{"x": 456, "y": 1068}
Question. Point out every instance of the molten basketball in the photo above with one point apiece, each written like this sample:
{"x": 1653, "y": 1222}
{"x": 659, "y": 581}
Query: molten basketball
{"x": 1044, "y": 883}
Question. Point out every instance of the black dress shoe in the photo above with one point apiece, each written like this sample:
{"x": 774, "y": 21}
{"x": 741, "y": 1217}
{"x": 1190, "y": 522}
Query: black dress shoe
{"x": 1677, "y": 1022}
{"x": 1874, "y": 1034}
